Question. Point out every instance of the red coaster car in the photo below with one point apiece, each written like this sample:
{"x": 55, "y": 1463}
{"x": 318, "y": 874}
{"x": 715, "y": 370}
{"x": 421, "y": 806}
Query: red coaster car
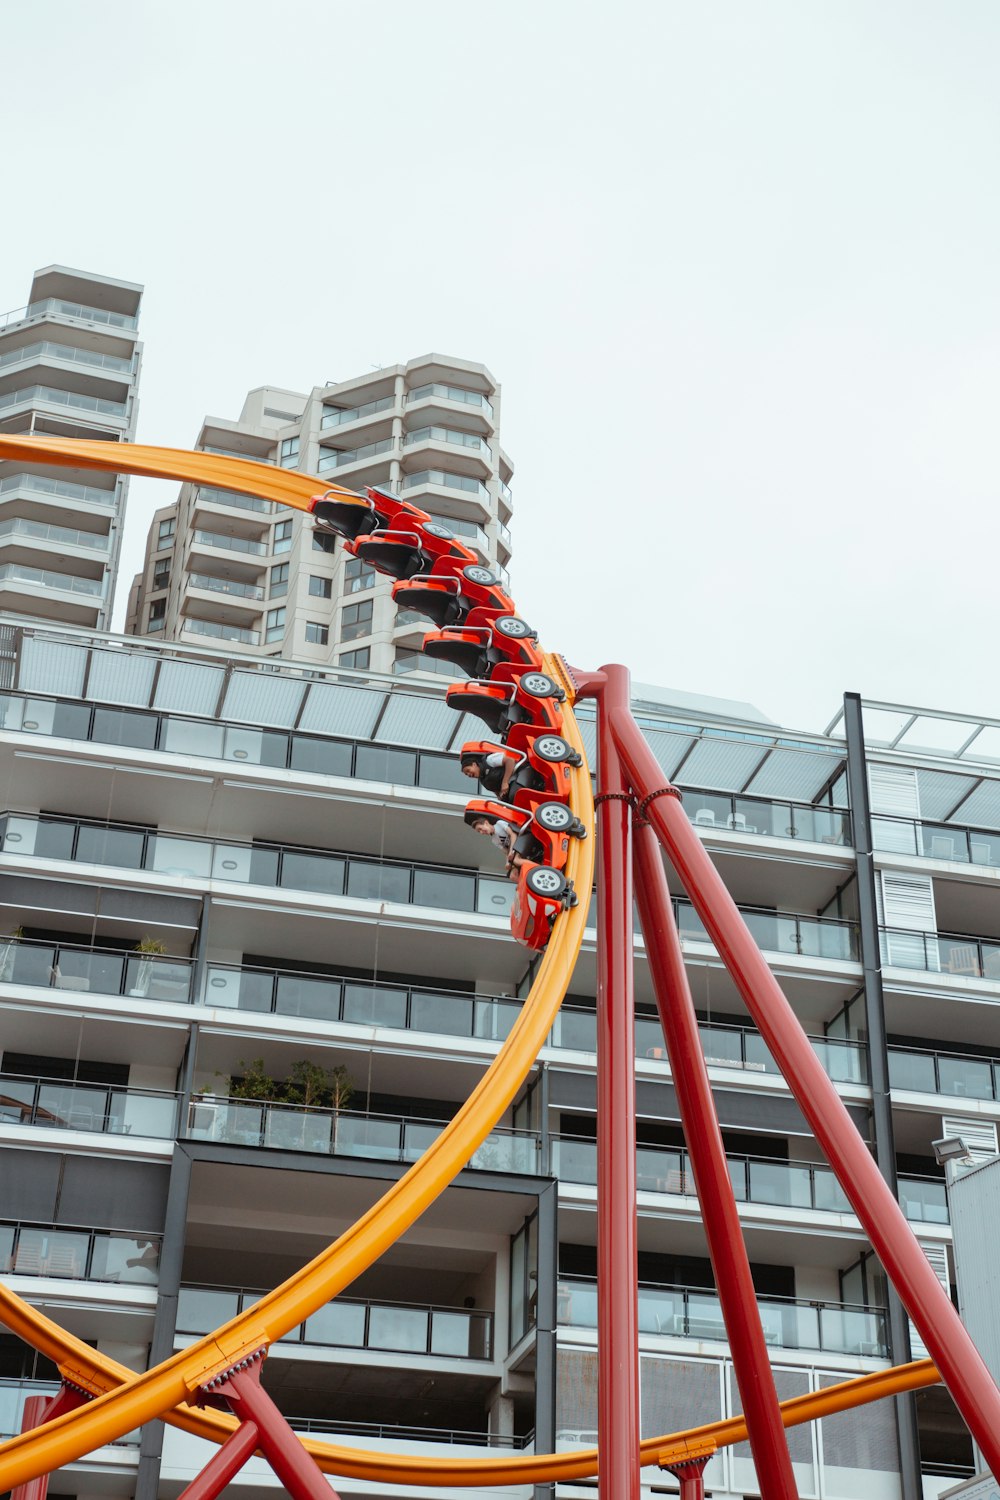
{"x": 534, "y": 699}
{"x": 474, "y": 598}
{"x": 541, "y": 772}
{"x": 402, "y": 552}
{"x": 541, "y": 834}
{"x": 542, "y": 893}
{"x": 484, "y": 651}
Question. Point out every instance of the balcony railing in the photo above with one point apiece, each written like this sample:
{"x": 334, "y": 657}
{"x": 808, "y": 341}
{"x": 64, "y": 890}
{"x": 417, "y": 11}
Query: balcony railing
{"x": 66, "y": 536}
{"x": 785, "y": 820}
{"x": 331, "y": 1132}
{"x": 225, "y": 586}
{"x": 219, "y": 632}
{"x": 47, "y": 578}
{"x": 687, "y": 1312}
{"x": 336, "y": 458}
{"x": 54, "y": 1104}
{"x": 254, "y": 458}
{"x": 455, "y": 393}
{"x": 239, "y": 502}
{"x": 51, "y": 396}
{"x": 449, "y": 435}
{"x": 347, "y": 1323}
{"x": 924, "y": 1199}
{"x": 468, "y": 531}
{"x": 947, "y": 841}
{"x": 104, "y": 971}
{"x": 13, "y": 1395}
{"x": 272, "y": 865}
{"x": 338, "y": 416}
{"x": 504, "y": 490}
{"x": 68, "y": 353}
{"x": 952, "y": 1074}
{"x": 64, "y": 309}
{"x": 78, "y": 1254}
{"x": 230, "y": 543}
{"x": 941, "y": 953}
{"x": 60, "y": 487}
{"x": 447, "y": 481}
{"x": 783, "y": 1184}
{"x": 781, "y": 932}
{"x": 394, "y": 1432}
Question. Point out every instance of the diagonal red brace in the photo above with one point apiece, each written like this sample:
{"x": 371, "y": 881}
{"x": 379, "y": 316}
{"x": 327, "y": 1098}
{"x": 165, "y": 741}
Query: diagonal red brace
{"x": 294, "y": 1468}
{"x": 928, "y": 1304}
{"x": 224, "y": 1465}
{"x": 39, "y": 1409}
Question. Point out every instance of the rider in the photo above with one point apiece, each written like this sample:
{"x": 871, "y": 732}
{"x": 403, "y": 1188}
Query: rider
{"x": 493, "y": 771}
{"x": 503, "y": 835}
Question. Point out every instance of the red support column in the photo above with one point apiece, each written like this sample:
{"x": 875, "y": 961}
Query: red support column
{"x": 926, "y": 1301}
{"x": 619, "y": 1475}
{"x": 715, "y": 1190}
{"x": 293, "y": 1466}
{"x": 224, "y": 1465}
{"x": 39, "y": 1409}
{"x": 691, "y": 1476}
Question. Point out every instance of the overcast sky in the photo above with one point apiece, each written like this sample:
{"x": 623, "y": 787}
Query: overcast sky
{"x": 735, "y": 265}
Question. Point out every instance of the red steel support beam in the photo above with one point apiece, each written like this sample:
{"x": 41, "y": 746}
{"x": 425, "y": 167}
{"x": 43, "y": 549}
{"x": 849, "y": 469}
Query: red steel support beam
{"x": 292, "y": 1465}
{"x": 224, "y": 1464}
{"x": 692, "y": 1478}
{"x": 39, "y": 1409}
{"x": 926, "y": 1301}
{"x": 617, "y": 1268}
{"x": 707, "y": 1152}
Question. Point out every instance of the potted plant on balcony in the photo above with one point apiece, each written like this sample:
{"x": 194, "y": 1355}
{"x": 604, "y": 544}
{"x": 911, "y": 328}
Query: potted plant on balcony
{"x": 144, "y": 971}
{"x": 315, "y": 1087}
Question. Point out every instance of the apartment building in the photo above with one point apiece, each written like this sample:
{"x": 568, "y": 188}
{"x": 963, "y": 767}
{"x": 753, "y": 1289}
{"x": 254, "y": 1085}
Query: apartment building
{"x": 69, "y": 367}
{"x": 252, "y": 960}
{"x": 241, "y": 570}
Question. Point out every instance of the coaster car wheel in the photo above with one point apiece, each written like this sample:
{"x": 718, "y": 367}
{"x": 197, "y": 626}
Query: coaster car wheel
{"x": 540, "y": 685}
{"x": 555, "y": 817}
{"x": 514, "y": 628}
{"x": 553, "y": 748}
{"x": 541, "y": 880}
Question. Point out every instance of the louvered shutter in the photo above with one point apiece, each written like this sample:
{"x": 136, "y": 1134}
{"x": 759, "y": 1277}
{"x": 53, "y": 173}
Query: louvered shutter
{"x": 979, "y": 1135}
{"x": 893, "y": 790}
{"x": 907, "y": 901}
{"x": 938, "y": 1257}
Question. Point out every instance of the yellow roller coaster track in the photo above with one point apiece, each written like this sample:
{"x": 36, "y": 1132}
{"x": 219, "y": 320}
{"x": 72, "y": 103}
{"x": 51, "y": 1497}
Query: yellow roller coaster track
{"x": 125, "y": 1400}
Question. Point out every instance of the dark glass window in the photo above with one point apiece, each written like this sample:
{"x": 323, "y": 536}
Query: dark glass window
{"x": 111, "y": 846}
{"x": 356, "y": 619}
{"x": 375, "y": 763}
{"x": 442, "y": 773}
{"x": 359, "y": 659}
{"x": 358, "y": 576}
{"x": 71, "y": 721}
{"x": 115, "y": 726}
{"x": 317, "y": 634}
{"x": 327, "y": 757}
{"x": 444, "y": 888}
{"x": 53, "y": 840}
{"x": 372, "y": 882}
{"x": 312, "y": 872}
{"x": 320, "y": 588}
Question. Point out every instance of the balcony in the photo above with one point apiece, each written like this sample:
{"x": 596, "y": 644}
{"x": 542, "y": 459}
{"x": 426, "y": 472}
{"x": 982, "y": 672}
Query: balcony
{"x": 218, "y": 632}
{"x": 59, "y": 536}
{"x": 239, "y": 502}
{"x": 229, "y": 586}
{"x": 339, "y": 458}
{"x": 331, "y": 1132}
{"x": 809, "y": 1186}
{"x": 348, "y": 1323}
{"x": 254, "y": 458}
{"x": 64, "y": 309}
{"x": 395, "y": 1433}
{"x": 453, "y": 436}
{"x": 466, "y": 531}
{"x": 68, "y": 354}
{"x": 78, "y": 1255}
{"x": 47, "y": 395}
{"x": 764, "y": 818}
{"x": 950, "y": 1074}
{"x": 60, "y": 488}
{"x": 688, "y": 1312}
{"x": 275, "y": 866}
{"x": 337, "y": 416}
{"x": 99, "y": 971}
{"x": 66, "y": 583}
{"x": 944, "y": 841}
{"x": 230, "y": 543}
{"x": 781, "y": 932}
{"x": 924, "y": 1200}
{"x": 941, "y": 953}
{"x": 455, "y": 393}
{"x": 54, "y": 1104}
{"x": 427, "y": 478}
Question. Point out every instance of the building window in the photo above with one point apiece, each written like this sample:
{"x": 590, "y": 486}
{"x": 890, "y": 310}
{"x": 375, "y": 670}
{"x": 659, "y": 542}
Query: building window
{"x": 161, "y": 574}
{"x": 358, "y": 576}
{"x": 320, "y": 588}
{"x": 279, "y": 580}
{"x": 416, "y": 661}
{"x": 358, "y": 659}
{"x": 156, "y": 619}
{"x": 289, "y": 453}
{"x": 275, "y": 628}
{"x": 356, "y": 619}
{"x": 317, "y": 634}
{"x": 282, "y": 537}
{"x": 165, "y": 533}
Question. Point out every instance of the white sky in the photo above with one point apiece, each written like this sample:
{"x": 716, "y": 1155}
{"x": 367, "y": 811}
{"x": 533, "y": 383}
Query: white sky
{"x": 735, "y": 264}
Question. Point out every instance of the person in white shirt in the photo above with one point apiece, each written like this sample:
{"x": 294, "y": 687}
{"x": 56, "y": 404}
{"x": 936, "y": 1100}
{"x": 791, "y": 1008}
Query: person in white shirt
{"x": 494, "y": 771}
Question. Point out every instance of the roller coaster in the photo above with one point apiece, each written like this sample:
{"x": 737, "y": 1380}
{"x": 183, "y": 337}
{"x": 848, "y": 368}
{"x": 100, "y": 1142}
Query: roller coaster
{"x": 525, "y": 697}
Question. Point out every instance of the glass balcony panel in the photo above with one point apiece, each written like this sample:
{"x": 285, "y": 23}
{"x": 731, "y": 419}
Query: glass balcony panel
{"x": 576, "y": 1029}
{"x": 159, "y": 978}
{"x": 199, "y": 1310}
{"x": 373, "y": 763}
{"x": 758, "y": 1057}
{"x": 380, "y": 1139}
{"x": 241, "y": 1124}
{"x": 190, "y": 858}
{"x": 991, "y": 960}
{"x": 439, "y": 773}
{"x": 690, "y": 924}
{"x": 661, "y": 1310}
{"x": 72, "y": 1107}
{"x": 257, "y": 747}
{"x": 375, "y": 1005}
{"x": 7, "y": 1240}
{"x": 339, "y": 1324}
{"x": 704, "y": 1316}
{"x": 828, "y": 1193}
{"x": 446, "y": 1015}
{"x": 708, "y": 809}
{"x": 843, "y": 1062}
{"x": 895, "y": 835}
{"x": 966, "y": 1076}
{"x": 495, "y": 897}
{"x": 17, "y": 1101}
{"x": 123, "y": 847}
{"x": 322, "y": 757}
{"x": 312, "y": 872}
{"x": 112, "y": 726}
{"x": 451, "y": 1334}
{"x": 231, "y": 863}
{"x": 649, "y": 1038}
{"x": 506, "y": 1152}
{"x": 444, "y": 888}
{"x": 118, "y": 1258}
{"x": 924, "y": 1200}
{"x": 782, "y": 1326}
{"x": 576, "y": 1304}
{"x": 721, "y": 1045}
{"x": 939, "y": 841}
{"x": 984, "y": 848}
{"x": 244, "y": 989}
{"x": 912, "y": 1070}
{"x": 133, "y": 1113}
{"x": 193, "y": 737}
{"x": 576, "y": 1161}
{"x": 27, "y": 963}
{"x": 958, "y": 955}
{"x": 298, "y": 1130}
{"x": 751, "y": 816}
{"x": 824, "y": 825}
{"x": 398, "y": 1328}
{"x": 418, "y": 1135}
{"x": 372, "y": 882}
{"x": 52, "y": 1252}
{"x": 739, "y": 1176}
{"x": 771, "y": 932}
{"x": 303, "y": 995}
{"x": 781, "y": 1184}
{"x": 846, "y": 1330}
{"x": 494, "y": 1019}
{"x": 658, "y": 1171}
